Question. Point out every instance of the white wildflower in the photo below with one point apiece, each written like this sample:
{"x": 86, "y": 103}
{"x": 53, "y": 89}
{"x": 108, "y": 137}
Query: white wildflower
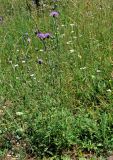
{"x": 79, "y": 56}
{"x": 69, "y": 42}
{"x": 10, "y": 62}
{"x": 23, "y": 61}
{"x": 75, "y": 37}
{"x": 72, "y": 31}
{"x": 19, "y": 113}
{"x": 82, "y": 68}
{"x": 72, "y": 24}
{"x": 98, "y": 71}
{"x": 29, "y": 40}
{"x": 72, "y": 50}
{"x": 32, "y": 75}
{"x": 108, "y": 90}
{"x": 92, "y": 76}
{"x": 41, "y": 50}
{"x": 16, "y": 65}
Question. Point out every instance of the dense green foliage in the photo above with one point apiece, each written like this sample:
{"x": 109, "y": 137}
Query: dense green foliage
{"x": 56, "y": 93}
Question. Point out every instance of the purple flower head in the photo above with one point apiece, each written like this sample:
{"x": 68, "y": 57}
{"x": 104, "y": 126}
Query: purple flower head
{"x": 43, "y": 35}
{"x": 47, "y": 35}
{"x": 54, "y": 14}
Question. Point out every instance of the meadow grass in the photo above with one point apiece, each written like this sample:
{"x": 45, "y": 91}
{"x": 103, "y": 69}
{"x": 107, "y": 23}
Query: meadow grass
{"x": 56, "y": 93}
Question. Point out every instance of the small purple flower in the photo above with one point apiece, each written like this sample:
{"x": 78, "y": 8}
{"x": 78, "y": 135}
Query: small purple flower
{"x": 47, "y": 35}
{"x": 43, "y": 35}
{"x": 54, "y": 14}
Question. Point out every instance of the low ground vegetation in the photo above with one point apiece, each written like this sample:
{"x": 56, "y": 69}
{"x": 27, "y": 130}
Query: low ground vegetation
{"x": 56, "y": 79}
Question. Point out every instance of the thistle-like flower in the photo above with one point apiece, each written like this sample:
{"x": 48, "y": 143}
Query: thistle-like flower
{"x": 54, "y": 14}
{"x": 43, "y": 35}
